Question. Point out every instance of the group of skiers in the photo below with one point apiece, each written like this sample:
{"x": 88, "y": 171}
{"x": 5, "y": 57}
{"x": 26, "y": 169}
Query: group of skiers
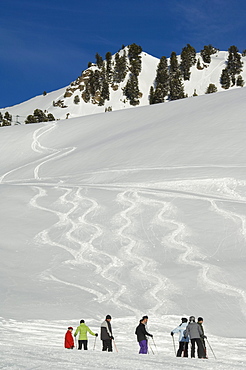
{"x": 191, "y": 330}
{"x": 83, "y": 329}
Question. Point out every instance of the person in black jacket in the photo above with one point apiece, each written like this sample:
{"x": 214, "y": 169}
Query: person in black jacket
{"x": 107, "y": 334}
{"x": 203, "y": 336}
{"x": 141, "y": 333}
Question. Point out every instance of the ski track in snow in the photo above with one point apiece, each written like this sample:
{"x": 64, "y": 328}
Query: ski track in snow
{"x": 65, "y": 221}
{"x": 79, "y": 254}
{"x": 130, "y": 197}
{"x": 211, "y": 72}
{"x": 38, "y": 148}
{"x": 145, "y": 266}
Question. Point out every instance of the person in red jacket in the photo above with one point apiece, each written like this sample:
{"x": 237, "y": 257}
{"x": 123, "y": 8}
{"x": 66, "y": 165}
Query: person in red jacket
{"x": 69, "y": 342}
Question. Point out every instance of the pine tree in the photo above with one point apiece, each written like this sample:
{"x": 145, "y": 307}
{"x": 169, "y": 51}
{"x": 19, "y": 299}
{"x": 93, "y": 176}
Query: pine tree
{"x": 225, "y": 79}
{"x": 7, "y": 119}
{"x": 50, "y": 117}
{"x": 131, "y": 90}
{"x": 159, "y": 95}
{"x": 86, "y": 93}
{"x": 76, "y": 99}
{"x": 105, "y": 90}
{"x": 94, "y": 82}
{"x": 134, "y": 56}
{"x": 99, "y": 60}
{"x": 98, "y": 78}
{"x": 161, "y": 82}
{"x": 234, "y": 63}
{"x": 109, "y": 72}
{"x": 30, "y": 119}
{"x": 152, "y": 95}
{"x": 133, "y": 51}
{"x": 174, "y": 66}
{"x": 175, "y": 80}
{"x": 206, "y": 53}
{"x": 198, "y": 64}
{"x": 188, "y": 59}
{"x": 120, "y": 68}
{"x": 162, "y": 75}
{"x": 135, "y": 66}
{"x": 211, "y": 89}
{"x": 240, "y": 81}
{"x": 39, "y": 116}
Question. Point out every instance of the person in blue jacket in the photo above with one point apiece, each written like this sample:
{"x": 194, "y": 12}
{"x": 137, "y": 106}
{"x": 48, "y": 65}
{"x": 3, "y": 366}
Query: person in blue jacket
{"x": 183, "y": 342}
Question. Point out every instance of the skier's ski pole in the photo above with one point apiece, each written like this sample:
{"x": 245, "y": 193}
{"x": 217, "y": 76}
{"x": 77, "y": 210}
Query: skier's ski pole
{"x": 155, "y": 345}
{"x": 211, "y": 349}
{"x": 94, "y": 343}
{"x": 151, "y": 349}
{"x": 115, "y": 346}
{"x": 174, "y": 346}
{"x": 204, "y": 347}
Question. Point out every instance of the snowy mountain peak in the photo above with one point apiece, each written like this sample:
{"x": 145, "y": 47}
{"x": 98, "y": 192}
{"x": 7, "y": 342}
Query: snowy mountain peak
{"x": 130, "y": 77}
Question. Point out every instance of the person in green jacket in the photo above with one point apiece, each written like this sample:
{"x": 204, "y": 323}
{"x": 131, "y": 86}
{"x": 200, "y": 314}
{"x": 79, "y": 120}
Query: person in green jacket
{"x": 82, "y": 329}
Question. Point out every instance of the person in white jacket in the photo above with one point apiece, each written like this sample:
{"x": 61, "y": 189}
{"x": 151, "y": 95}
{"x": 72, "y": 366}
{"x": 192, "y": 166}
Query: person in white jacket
{"x": 183, "y": 342}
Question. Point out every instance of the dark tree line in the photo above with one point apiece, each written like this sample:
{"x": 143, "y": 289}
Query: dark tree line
{"x": 37, "y": 116}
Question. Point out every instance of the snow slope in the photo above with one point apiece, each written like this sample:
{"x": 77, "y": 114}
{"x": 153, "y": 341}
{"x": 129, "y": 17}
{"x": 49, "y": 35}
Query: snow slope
{"x": 133, "y": 212}
{"x": 199, "y": 81}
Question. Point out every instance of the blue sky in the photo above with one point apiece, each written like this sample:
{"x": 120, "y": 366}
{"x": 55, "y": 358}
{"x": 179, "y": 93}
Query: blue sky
{"x": 46, "y": 44}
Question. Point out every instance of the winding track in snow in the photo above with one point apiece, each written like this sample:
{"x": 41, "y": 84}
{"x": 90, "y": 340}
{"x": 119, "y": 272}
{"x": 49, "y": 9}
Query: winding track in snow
{"x": 147, "y": 267}
{"x": 129, "y": 199}
{"x": 50, "y": 154}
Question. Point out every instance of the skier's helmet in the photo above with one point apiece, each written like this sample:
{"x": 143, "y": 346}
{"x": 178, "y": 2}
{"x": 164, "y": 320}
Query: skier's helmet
{"x": 184, "y": 319}
{"x": 192, "y": 318}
